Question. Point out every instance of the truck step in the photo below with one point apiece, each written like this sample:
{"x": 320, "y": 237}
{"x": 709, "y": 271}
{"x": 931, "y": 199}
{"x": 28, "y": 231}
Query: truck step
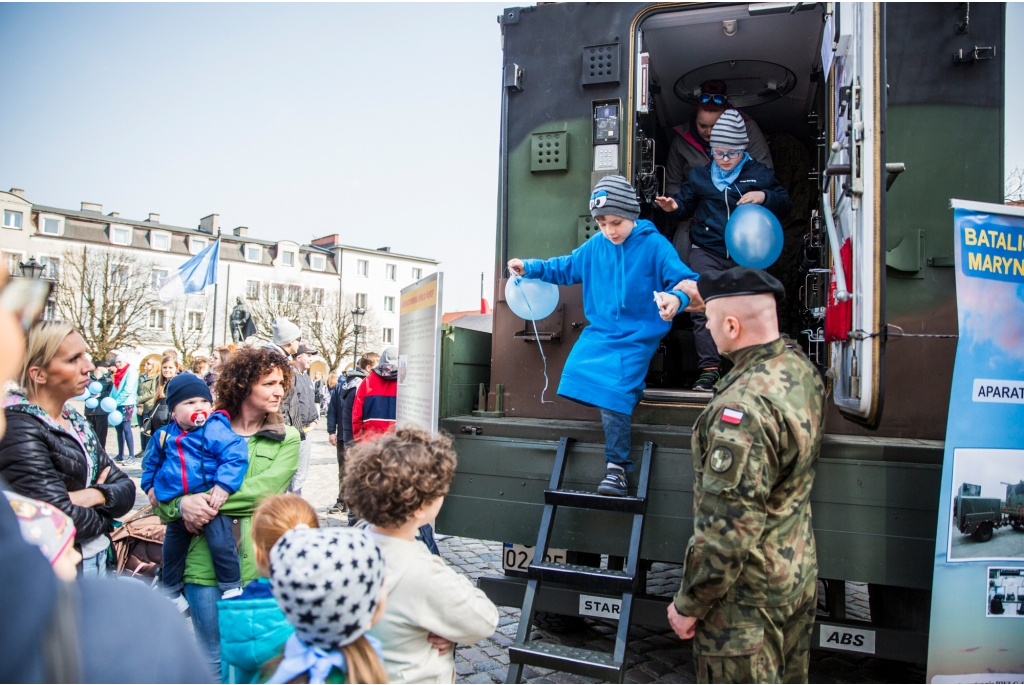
{"x": 586, "y": 662}
{"x": 598, "y": 580}
{"x": 592, "y": 500}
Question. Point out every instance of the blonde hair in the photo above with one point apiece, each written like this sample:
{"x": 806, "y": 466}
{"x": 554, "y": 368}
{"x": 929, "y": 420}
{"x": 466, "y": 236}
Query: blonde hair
{"x": 274, "y": 517}
{"x": 43, "y": 342}
{"x": 361, "y": 660}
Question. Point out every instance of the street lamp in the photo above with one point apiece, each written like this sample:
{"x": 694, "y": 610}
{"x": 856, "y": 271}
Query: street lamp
{"x": 357, "y": 320}
{"x": 31, "y": 268}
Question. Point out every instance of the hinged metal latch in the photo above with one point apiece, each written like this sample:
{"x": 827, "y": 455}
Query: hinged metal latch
{"x": 514, "y": 76}
{"x": 978, "y": 54}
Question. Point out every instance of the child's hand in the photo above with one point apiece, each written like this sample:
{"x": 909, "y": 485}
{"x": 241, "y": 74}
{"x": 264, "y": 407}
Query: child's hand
{"x": 152, "y": 497}
{"x": 218, "y": 496}
{"x": 666, "y": 203}
{"x": 668, "y": 305}
{"x": 517, "y": 267}
{"x": 756, "y": 197}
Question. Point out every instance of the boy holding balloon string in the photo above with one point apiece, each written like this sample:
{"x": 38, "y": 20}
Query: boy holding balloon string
{"x": 619, "y": 270}
{"x": 710, "y": 195}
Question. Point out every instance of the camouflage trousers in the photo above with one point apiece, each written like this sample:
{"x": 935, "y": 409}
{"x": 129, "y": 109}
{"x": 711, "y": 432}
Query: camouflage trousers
{"x": 743, "y": 644}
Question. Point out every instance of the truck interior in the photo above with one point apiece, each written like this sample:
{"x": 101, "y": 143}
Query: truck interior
{"x": 769, "y": 58}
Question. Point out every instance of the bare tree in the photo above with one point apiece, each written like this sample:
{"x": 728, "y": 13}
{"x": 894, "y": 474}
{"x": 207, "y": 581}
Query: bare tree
{"x": 190, "y": 315}
{"x": 107, "y": 294}
{"x": 278, "y": 300}
{"x": 1014, "y": 189}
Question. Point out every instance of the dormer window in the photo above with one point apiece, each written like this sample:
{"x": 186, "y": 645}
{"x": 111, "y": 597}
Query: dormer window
{"x": 121, "y": 235}
{"x": 253, "y": 253}
{"x": 159, "y": 240}
{"x": 317, "y": 262}
{"x": 50, "y": 225}
{"x": 288, "y": 258}
{"x": 196, "y": 245}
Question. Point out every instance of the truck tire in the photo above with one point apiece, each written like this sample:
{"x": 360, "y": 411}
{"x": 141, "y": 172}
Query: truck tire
{"x": 1018, "y": 526}
{"x": 983, "y": 533}
{"x": 996, "y": 606}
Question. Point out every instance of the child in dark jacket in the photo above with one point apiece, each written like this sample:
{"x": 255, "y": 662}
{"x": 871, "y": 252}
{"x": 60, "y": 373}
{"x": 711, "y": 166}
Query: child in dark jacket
{"x": 710, "y": 195}
{"x": 197, "y": 452}
{"x": 620, "y": 270}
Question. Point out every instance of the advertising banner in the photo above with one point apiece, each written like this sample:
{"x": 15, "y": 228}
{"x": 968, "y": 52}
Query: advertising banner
{"x": 419, "y": 353}
{"x": 977, "y": 618}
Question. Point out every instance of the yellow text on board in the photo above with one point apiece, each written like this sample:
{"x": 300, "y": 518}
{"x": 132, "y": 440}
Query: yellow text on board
{"x": 424, "y": 296}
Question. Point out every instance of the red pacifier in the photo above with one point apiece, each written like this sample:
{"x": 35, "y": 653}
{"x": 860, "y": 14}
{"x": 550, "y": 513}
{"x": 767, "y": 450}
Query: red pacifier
{"x": 199, "y": 418}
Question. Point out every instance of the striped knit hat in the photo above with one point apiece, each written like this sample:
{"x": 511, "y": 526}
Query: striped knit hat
{"x": 730, "y": 131}
{"x": 614, "y": 196}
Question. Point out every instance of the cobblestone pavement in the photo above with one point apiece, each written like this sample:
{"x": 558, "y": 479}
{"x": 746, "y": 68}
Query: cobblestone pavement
{"x": 653, "y": 655}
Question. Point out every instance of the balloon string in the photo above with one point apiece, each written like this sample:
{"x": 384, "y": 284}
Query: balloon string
{"x": 536, "y": 335}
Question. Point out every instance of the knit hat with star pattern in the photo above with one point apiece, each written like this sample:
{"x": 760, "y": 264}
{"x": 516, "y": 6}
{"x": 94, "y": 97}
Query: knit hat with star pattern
{"x": 327, "y": 581}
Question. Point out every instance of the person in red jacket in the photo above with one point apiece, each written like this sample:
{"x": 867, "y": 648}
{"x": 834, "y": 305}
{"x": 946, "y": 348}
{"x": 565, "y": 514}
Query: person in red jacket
{"x": 373, "y": 412}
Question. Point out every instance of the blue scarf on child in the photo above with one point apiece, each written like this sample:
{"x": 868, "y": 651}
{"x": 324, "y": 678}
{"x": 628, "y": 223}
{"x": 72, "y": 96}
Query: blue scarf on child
{"x": 302, "y": 658}
{"x": 724, "y": 179}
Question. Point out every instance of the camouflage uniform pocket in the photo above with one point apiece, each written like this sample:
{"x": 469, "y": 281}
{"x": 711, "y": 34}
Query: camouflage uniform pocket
{"x": 726, "y": 461}
{"x": 729, "y": 641}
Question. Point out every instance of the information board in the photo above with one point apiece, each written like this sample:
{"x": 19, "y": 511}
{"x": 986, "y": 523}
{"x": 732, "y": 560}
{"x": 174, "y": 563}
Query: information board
{"x": 419, "y": 353}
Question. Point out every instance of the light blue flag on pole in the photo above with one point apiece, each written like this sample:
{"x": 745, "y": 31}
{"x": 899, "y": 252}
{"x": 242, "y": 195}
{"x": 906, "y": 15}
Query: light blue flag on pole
{"x": 193, "y": 275}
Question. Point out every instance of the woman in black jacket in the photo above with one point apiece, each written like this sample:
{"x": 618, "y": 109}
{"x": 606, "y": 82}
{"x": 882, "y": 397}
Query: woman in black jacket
{"x": 51, "y": 453}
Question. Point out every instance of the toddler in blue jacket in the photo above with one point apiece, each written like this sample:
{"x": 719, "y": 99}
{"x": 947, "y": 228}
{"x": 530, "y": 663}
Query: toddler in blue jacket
{"x": 620, "y": 271}
{"x": 197, "y": 452}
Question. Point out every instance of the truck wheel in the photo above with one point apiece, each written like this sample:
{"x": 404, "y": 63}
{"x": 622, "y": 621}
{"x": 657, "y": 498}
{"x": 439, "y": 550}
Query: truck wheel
{"x": 1018, "y": 526}
{"x": 983, "y": 533}
{"x": 996, "y": 606}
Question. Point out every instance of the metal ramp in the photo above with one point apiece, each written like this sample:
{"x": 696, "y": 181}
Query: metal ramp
{"x": 627, "y": 582}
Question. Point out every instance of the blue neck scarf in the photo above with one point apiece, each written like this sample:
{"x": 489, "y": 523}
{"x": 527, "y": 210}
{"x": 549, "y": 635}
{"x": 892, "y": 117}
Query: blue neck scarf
{"x": 301, "y": 658}
{"x": 724, "y": 179}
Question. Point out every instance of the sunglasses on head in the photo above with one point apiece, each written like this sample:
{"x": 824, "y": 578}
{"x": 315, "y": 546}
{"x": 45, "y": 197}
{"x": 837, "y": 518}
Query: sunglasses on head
{"x": 716, "y": 98}
{"x": 25, "y": 298}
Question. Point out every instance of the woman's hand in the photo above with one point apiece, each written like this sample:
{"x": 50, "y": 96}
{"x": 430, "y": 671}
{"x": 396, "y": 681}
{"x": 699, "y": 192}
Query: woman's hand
{"x": 196, "y": 511}
{"x": 666, "y": 203}
{"x": 88, "y": 498}
{"x": 756, "y": 197}
{"x": 517, "y": 267}
{"x": 440, "y": 644}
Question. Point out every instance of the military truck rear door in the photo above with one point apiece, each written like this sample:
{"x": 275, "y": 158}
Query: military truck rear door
{"x": 853, "y": 207}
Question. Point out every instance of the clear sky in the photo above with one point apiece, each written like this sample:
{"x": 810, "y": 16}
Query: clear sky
{"x": 379, "y": 122}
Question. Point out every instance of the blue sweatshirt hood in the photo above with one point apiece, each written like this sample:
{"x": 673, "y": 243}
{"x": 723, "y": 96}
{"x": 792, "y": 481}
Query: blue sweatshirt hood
{"x": 252, "y": 631}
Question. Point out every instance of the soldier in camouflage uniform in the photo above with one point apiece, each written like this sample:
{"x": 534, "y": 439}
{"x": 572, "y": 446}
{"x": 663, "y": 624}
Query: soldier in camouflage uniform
{"x": 749, "y": 592}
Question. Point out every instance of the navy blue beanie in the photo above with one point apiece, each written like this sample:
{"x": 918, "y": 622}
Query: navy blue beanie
{"x": 185, "y": 386}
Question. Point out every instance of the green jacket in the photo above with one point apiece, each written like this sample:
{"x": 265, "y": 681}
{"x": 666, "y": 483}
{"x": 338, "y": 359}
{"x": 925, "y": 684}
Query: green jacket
{"x": 147, "y": 392}
{"x": 273, "y": 459}
{"x": 755, "y": 448}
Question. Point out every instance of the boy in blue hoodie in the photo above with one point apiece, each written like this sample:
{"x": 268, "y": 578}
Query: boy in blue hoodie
{"x": 710, "y": 195}
{"x": 196, "y": 452}
{"x": 620, "y": 271}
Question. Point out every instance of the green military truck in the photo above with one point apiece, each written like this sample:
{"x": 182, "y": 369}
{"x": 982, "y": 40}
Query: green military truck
{"x": 876, "y": 116}
{"x": 980, "y": 516}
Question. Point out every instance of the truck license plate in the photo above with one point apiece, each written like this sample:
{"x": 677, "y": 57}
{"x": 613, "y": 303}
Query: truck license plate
{"x": 518, "y": 557}
{"x": 849, "y": 639}
{"x": 600, "y": 607}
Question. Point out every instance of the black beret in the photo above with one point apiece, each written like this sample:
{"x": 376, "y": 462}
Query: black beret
{"x": 739, "y": 280}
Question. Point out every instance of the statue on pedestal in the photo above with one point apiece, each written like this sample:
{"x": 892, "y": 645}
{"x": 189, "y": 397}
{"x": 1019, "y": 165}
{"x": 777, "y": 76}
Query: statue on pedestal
{"x": 242, "y": 325}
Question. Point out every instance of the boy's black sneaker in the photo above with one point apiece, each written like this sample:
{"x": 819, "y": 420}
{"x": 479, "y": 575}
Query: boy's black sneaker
{"x": 614, "y": 483}
{"x": 336, "y": 508}
{"x": 706, "y": 381}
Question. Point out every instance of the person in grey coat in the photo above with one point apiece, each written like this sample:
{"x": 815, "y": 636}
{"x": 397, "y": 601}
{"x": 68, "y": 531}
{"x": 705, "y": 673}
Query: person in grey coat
{"x": 309, "y": 413}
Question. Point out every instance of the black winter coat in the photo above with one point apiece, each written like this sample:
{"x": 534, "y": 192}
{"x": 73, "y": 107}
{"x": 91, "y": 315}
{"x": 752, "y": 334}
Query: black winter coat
{"x": 44, "y": 463}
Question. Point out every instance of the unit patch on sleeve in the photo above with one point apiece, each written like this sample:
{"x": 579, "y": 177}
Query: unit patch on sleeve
{"x": 721, "y": 458}
{"x": 732, "y": 416}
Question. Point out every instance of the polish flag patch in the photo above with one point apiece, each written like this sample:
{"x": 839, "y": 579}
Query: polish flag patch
{"x": 732, "y": 416}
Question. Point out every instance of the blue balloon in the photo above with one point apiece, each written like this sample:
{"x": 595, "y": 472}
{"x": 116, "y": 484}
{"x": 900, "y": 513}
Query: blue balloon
{"x": 108, "y": 404}
{"x": 92, "y": 403}
{"x": 95, "y": 388}
{"x": 115, "y": 418}
{"x": 531, "y": 299}
{"x": 753, "y": 236}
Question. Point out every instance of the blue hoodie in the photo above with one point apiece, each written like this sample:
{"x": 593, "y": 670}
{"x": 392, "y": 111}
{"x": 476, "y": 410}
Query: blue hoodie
{"x": 608, "y": 363}
{"x": 253, "y": 630}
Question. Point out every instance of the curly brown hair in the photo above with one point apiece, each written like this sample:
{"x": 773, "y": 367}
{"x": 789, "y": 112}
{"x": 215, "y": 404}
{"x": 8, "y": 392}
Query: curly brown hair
{"x": 237, "y": 378}
{"x": 389, "y": 478}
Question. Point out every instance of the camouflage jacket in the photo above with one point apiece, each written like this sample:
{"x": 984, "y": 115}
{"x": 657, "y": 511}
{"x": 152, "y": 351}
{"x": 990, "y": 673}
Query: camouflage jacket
{"x": 755, "y": 447}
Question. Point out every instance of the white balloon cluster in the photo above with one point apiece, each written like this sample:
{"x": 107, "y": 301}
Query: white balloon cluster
{"x": 114, "y": 417}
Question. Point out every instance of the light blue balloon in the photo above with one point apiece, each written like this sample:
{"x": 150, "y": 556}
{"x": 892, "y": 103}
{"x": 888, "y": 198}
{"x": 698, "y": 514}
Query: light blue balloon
{"x": 108, "y": 405}
{"x": 115, "y": 418}
{"x": 95, "y": 388}
{"x": 753, "y": 236}
{"x": 92, "y": 403}
{"x": 531, "y": 299}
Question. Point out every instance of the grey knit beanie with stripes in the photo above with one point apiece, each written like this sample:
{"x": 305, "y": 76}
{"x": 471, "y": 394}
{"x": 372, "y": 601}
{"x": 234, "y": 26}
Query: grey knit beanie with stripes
{"x": 614, "y": 196}
{"x": 730, "y": 131}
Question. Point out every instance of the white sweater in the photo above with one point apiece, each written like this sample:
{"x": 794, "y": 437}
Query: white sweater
{"x": 425, "y": 596}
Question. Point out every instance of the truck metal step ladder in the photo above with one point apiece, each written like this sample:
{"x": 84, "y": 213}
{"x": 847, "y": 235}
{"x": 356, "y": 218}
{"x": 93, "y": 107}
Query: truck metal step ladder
{"x": 627, "y": 582}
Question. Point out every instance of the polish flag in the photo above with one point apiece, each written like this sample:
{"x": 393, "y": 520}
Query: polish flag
{"x": 732, "y": 416}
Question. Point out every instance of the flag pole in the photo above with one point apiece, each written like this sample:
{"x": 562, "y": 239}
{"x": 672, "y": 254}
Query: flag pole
{"x": 213, "y": 323}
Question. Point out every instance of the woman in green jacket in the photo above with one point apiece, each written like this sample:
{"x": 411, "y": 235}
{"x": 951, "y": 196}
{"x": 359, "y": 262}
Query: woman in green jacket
{"x": 147, "y": 397}
{"x": 250, "y": 389}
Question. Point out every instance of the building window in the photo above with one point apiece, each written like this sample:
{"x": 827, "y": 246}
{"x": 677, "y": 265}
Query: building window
{"x": 295, "y": 293}
{"x": 388, "y": 335}
{"x": 158, "y": 278}
{"x": 318, "y": 262}
{"x": 276, "y": 293}
{"x": 51, "y": 267}
{"x": 252, "y": 290}
{"x": 253, "y": 253}
{"x": 122, "y": 316}
{"x": 195, "y": 321}
{"x": 196, "y": 245}
{"x": 389, "y": 303}
{"x": 160, "y": 241}
{"x": 119, "y": 274}
{"x": 49, "y": 225}
{"x": 417, "y": 273}
{"x": 360, "y": 299}
{"x": 390, "y": 272}
{"x": 11, "y": 262}
{"x": 120, "y": 235}
{"x": 50, "y": 311}
{"x": 317, "y": 296}
{"x": 288, "y": 258}
{"x": 12, "y": 219}
{"x": 156, "y": 319}
{"x": 362, "y": 267}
